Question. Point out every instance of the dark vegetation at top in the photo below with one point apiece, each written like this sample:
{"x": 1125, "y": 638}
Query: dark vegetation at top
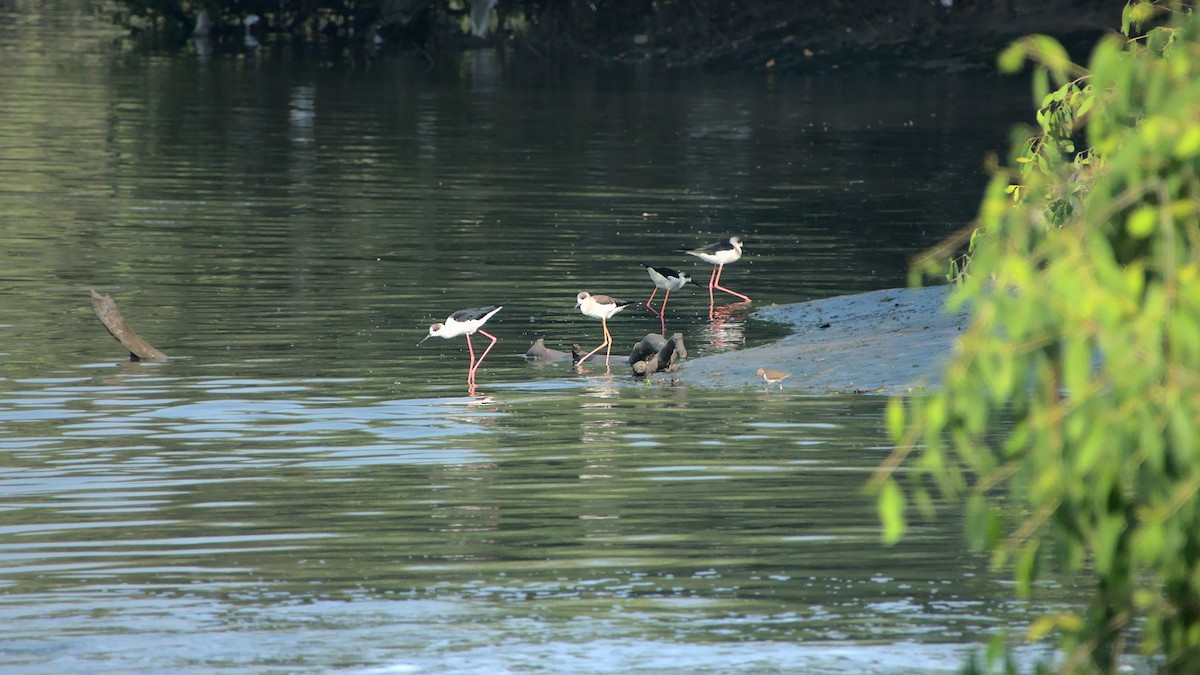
{"x": 754, "y": 34}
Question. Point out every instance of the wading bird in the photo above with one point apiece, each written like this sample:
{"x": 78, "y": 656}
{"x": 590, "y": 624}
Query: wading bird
{"x": 668, "y": 280}
{"x": 720, "y": 254}
{"x": 466, "y": 322}
{"x": 773, "y": 376}
{"x": 600, "y": 307}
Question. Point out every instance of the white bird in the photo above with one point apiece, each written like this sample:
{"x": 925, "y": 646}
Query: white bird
{"x": 203, "y": 24}
{"x": 249, "y": 41}
{"x": 601, "y": 307}
{"x": 668, "y": 280}
{"x": 720, "y": 254}
{"x": 466, "y": 322}
{"x": 481, "y": 17}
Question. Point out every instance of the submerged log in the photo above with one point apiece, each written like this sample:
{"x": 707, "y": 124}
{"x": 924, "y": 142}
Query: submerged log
{"x": 649, "y": 345}
{"x": 108, "y": 313}
{"x": 664, "y": 359}
{"x": 538, "y": 351}
{"x": 680, "y": 348}
{"x": 652, "y": 354}
{"x": 578, "y": 353}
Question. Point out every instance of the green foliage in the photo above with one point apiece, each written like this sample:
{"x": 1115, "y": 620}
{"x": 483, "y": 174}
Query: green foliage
{"x": 1068, "y": 421}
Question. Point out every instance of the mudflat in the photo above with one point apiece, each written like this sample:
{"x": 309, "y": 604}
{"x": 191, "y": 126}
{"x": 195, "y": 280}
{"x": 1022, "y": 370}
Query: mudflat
{"x": 885, "y": 342}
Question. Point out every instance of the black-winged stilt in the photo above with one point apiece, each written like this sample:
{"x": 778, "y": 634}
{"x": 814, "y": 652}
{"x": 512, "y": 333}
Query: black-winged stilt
{"x": 601, "y": 307}
{"x": 466, "y": 322}
{"x": 668, "y": 280}
{"x": 720, "y": 254}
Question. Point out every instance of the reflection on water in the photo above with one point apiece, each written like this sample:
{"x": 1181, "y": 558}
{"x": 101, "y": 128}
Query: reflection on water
{"x": 302, "y": 488}
{"x": 726, "y": 327}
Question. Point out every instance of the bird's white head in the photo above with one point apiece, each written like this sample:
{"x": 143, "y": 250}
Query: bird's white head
{"x": 685, "y": 277}
{"x": 582, "y": 298}
{"x": 435, "y": 329}
{"x": 737, "y": 242}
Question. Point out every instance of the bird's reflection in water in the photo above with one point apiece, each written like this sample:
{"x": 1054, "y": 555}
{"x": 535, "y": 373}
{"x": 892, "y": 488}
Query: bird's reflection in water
{"x": 600, "y": 430}
{"x": 601, "y": 387}
{"x": 727, "y": 328}
{"x": 478, "y": 397}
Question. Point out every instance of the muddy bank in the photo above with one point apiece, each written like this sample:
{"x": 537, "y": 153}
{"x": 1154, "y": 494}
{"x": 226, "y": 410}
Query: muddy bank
{"x": 879, "y": 342}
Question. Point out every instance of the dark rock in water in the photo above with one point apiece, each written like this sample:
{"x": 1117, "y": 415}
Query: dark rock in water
{"x": 649, "y": 345}
{"x": 538, "y": 351}
{"x": 653, "y": 353}
{"x": 680, "y": 348}
{"x": 661, "y": 359}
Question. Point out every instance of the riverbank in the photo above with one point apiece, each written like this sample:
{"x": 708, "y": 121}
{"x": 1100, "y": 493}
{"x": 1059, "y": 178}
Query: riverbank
{"x": 886, "y": 341}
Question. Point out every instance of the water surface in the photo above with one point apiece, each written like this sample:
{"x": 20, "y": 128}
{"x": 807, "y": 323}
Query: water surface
{"x": 302, "y": 488}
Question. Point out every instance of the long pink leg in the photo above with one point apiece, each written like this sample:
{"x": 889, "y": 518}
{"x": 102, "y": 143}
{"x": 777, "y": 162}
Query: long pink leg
{"x": 471, "y": 368}
{"x": 662, "y": 312}
{"x": 485, "y": 352}
{"x": 652, "y": 298}
{"x": 711, "y": 301}
{"x": 717, "y": 284}
{"x": 608, "y": 339}
{"x": 607, "y": 342}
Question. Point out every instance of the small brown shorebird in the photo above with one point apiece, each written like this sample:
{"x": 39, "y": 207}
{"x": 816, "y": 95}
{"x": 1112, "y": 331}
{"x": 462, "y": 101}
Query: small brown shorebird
{"x": 773, "y": 376}
{"x": 720, "y": 254}
{"x": 601, "y": 307}
{"x": 466, "y": 322}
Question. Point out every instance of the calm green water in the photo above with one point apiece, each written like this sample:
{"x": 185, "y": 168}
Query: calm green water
{"x": 303, "y": 489}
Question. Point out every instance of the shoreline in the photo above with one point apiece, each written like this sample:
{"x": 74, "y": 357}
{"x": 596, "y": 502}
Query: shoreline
{"x": 888, "y": 341}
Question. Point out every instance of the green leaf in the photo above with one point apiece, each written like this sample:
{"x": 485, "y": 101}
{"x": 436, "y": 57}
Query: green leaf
{"x": 1140, "y": 13}
{"x": 1077, "y": 367}
{"x": 1012, "y": 58}
{"x": 1142, "y": 222}
{"x": 1085, "y": 104}
{"x": 1041, "y": 85}
{"x": 923, "y": 501}
{"x": 1107, "y": 543}
{"x": 983, "y": 526}
{"x": 1090, "y": 446}
{"x": 895, "y": 418}
{"x": 1053, "y": 55}
{"x": 1188, "y": 145}
{"x": 1150, "y": 542}
{"x": 1027, "y": 569}
{"x": 891, "y": 511}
